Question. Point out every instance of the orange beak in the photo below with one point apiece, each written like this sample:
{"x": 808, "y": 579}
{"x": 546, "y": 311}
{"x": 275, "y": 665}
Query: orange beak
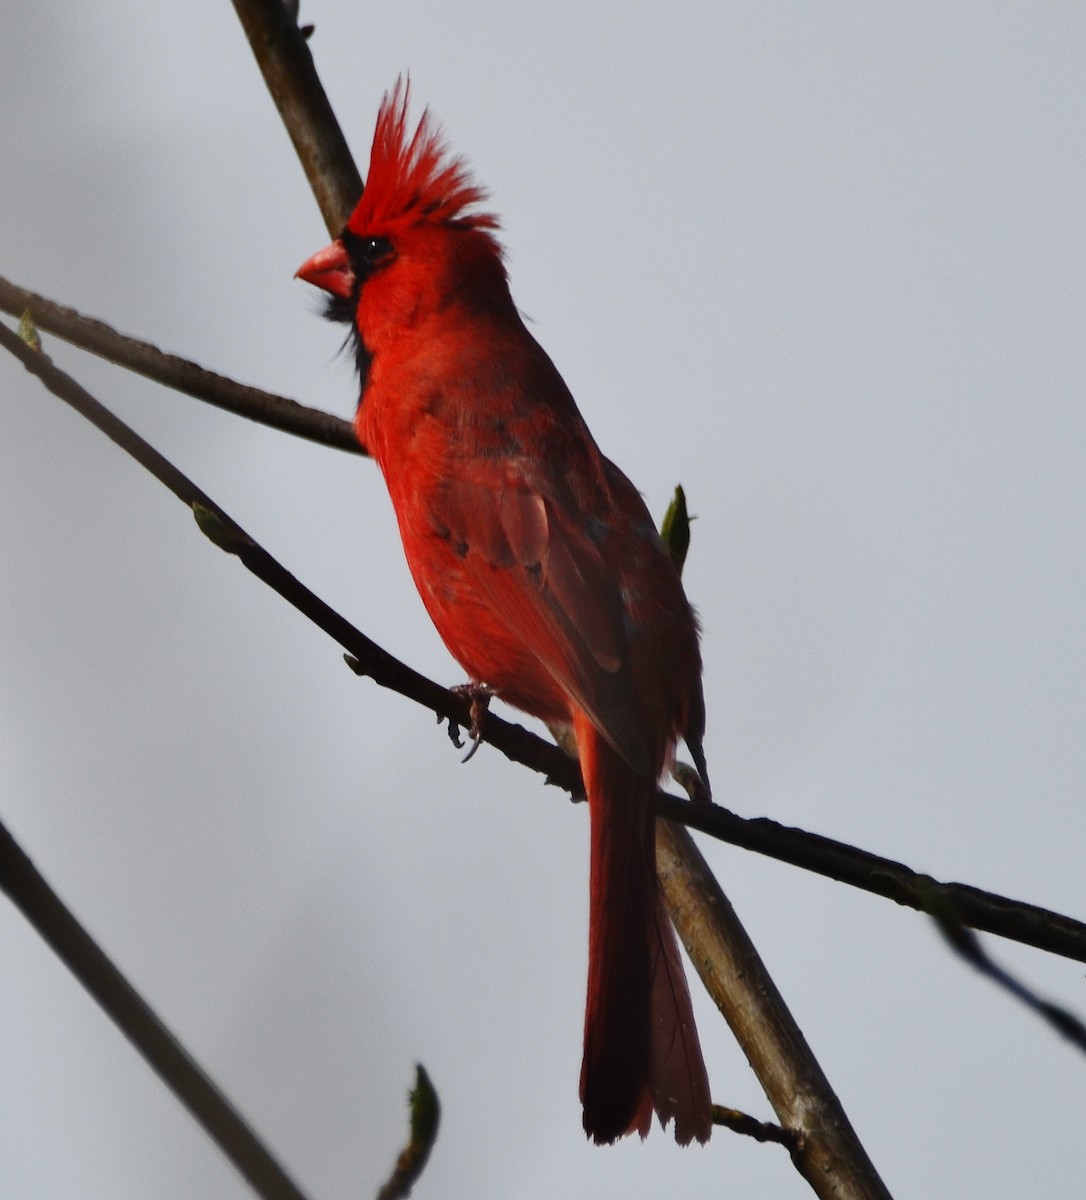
{"x": 329, "y": 269}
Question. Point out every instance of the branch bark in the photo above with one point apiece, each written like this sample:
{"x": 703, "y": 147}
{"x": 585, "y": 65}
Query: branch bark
{"x": 291, "y": 78}
{"x": 178, "y": 373}
{"x": 36, "y": 900}
{"x": 823, "y": 1144}
{"x": 986, "y": 911}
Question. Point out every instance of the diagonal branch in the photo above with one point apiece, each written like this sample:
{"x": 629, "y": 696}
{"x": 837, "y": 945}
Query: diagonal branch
{"x": 36, "y": 900}
{"x": 965, "y": 943}
{"x": 972, "y": 906}
{"x": 833, "y": 1161}
{"x": 425, "y": 1117}
{"x": 291, "y": 78}
{"x": 825, "y": 1149}
{"x": 366, "y": 657}
{"x": 178, "y": 373}
{"x": 821, "y": 1140}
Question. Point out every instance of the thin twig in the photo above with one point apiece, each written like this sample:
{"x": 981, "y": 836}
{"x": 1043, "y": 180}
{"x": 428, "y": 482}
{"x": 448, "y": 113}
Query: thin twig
{"x": 987, "y": 911}
{"x": 967, "y": 945}
{"x": 36, "y": 900}
{"x": 366, "y": 657}
{"x": 827, "y": 1152}
{"x": 823, "y": 1144}
{"x": 425, "y": 1117}
{"x": 748, "y": 1126}
{"x": 826, "y": 1149}
{"x": 178, "y": 373}
{"x": 836, "y": 1153}
{"x": 290, "y": 76}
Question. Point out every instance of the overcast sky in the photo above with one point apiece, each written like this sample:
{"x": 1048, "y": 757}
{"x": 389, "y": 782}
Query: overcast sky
{"x": 824, "y": 265}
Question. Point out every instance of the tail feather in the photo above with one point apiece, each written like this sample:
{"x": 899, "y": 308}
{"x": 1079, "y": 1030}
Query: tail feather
{"x": 679, "y": 1084}
{"x": 641, "y": 1050}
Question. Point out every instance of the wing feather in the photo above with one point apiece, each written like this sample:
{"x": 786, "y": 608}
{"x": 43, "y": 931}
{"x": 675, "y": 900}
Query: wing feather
{"x": 547, "y": 581}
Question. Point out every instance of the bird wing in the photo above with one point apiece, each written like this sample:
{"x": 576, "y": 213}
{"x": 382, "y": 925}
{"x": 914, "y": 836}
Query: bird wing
{"x": 536, "y": 563}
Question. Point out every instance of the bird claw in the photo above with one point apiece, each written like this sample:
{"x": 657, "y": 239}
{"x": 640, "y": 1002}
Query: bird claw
{"x": 691, "y": 781}
{"x": 453, "y": 730}
{"x": 479, "y": 694}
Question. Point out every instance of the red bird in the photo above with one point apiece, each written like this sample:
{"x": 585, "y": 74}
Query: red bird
{"x": 542, "y": 571}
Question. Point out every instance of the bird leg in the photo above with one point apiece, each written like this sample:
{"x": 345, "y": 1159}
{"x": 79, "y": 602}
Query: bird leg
{"x": 479, "y": 694}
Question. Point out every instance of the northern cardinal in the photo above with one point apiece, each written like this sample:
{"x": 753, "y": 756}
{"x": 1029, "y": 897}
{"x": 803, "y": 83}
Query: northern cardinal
{"x": 541, "y": 568}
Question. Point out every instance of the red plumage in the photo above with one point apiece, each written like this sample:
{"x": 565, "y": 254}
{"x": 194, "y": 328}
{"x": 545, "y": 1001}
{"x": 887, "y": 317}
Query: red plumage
{"x": 413, "y": 178}
{"x": 542, "y": 571}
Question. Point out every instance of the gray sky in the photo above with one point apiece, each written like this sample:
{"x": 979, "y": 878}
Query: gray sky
{"x": 824, "y": 265}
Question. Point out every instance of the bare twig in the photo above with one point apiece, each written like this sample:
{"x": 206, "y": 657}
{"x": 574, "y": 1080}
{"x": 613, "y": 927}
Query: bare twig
{"x": 178, "y": 373}
{"x": 41, "y": 906}
{"x": 425, "y": 1116}
{"x": 986, "y": 911}
{"x": 982, "y": 910}
{"x": 823, "y": 1145}
{"x": 291, "y": 78}
{"x": 366, "y": 657}
{"x": 748, "y": 1126}
{"x": 819, "y": 1136}
{"x": 825, "y": 1149}
{"x": 967, "y": 945}
{"x": 827, "y": 1153}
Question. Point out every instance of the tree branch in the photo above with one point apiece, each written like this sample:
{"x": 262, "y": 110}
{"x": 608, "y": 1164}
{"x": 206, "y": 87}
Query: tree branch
{"x": 425, "y": 1116}
{"x": 178, "y": 373}
{"x": 713, "y": 936}
{"x": 982, "y": 910}
{"x": 697, "y": 906}
{"x": 291, "y": 78}
{"x": 366, "y": 657}
{"x": 822, "y": 1142}
{"x": 28, "y": 891}
{"x": 1014, "y": 919}
{"x": 965, "y": 943}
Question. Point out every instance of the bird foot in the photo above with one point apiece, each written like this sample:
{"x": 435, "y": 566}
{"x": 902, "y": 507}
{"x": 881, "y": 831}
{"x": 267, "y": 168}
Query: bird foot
{"x": 479, "y": 694}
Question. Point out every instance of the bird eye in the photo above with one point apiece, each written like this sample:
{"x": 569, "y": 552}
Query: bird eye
{"x": 373, "y": 250}
{"x": 367, "y": 253}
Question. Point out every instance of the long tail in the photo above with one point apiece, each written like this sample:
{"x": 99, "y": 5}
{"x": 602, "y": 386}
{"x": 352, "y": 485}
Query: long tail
{"x": 641, "y": 1050}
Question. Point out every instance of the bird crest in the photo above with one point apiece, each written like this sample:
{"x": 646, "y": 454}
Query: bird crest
{"x": 413, "y": 180}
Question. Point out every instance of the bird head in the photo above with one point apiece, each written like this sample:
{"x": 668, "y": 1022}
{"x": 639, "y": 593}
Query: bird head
{"x": 415, "y": 242}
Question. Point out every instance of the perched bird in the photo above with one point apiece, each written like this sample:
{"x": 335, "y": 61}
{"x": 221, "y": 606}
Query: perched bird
{"x": 541, "y": 568}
